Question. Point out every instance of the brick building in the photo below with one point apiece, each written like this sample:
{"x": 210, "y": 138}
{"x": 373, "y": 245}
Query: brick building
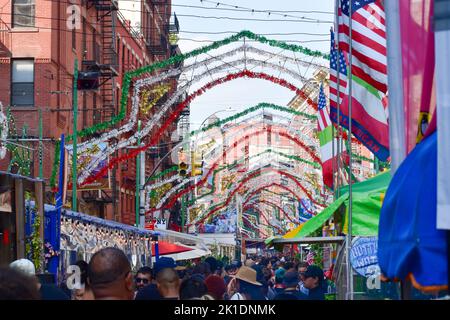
{"x": 37, "y": 54}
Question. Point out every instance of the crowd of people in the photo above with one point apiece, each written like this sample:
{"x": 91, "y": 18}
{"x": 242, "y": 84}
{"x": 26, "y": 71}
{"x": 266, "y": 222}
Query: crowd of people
{"x": 109, "y": 276}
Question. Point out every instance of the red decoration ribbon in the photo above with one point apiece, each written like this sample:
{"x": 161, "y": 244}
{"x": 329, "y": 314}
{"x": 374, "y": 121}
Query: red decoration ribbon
{"x": 179, "y": 108}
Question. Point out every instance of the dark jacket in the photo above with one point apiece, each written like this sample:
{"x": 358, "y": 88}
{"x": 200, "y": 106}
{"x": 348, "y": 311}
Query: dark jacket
{"x": 316, "y": 294}
{"x": 149, "y": 292}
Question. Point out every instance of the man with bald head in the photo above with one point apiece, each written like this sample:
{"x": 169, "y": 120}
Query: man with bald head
{"x": 110, "y": 275}
{"x": 168, "y": 284}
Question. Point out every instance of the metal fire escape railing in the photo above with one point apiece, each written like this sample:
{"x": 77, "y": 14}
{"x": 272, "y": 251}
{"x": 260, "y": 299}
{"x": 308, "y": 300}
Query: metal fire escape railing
{"x": 158, "y": 38}
{"x": 106, "y": 58}
{"x": 5, "y": 39}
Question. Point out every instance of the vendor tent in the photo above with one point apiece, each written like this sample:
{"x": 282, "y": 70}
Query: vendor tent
{"x": 409, "y": 243}
{"x": 367, "y": 200}
{"x": 194, "y": 253}
{"x": 166, "y": 248}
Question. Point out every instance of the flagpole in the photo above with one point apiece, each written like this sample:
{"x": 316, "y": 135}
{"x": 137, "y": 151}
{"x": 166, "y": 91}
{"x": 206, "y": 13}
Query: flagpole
{"x": 397, "y": 138}
{"x": 350, "y": 181}
{"x": 338, "y": 153}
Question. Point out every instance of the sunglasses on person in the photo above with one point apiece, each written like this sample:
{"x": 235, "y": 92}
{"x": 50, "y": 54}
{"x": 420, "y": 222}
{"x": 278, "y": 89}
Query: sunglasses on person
{"x": 143, "y": 280}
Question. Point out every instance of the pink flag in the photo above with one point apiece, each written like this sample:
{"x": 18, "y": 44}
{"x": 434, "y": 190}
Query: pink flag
{"x": 418, "y": 65}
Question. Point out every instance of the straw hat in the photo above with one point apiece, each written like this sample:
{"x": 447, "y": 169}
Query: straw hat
{"x": 248, "y": 275}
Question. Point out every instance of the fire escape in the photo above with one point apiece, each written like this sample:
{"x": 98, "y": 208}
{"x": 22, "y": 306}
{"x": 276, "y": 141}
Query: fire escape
{"x": 104, "y": 64}
{"x": 105, "y": 57}
{"x": 158, "y": 38}
{"x": 5, "y": 39}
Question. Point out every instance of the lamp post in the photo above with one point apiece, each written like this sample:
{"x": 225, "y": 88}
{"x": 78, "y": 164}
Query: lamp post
{"x": 193, "y": 145}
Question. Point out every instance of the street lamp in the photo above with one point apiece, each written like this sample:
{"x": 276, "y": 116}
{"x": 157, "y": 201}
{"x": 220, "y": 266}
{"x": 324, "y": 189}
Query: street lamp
{"x": 211, "y": 115}
{"x": 224, "y": 110}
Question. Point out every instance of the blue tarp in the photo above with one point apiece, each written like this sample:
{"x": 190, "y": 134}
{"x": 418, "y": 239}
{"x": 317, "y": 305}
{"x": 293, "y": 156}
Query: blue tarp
{"x": 408, "y": 240}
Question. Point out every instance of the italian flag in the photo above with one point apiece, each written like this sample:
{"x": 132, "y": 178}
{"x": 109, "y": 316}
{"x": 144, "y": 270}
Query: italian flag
{"x": 326, "y": 139}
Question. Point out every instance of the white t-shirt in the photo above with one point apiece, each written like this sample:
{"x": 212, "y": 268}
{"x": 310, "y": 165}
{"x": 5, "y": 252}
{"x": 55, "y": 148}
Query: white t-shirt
{"x": 237, "y": 296}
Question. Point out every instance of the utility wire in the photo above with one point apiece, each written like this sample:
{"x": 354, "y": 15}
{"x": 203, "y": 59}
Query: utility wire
{"x": 304, "y": 20}
{"x": 232, "y": 8}
{"x": 265, "y": 11}
{"x": 134, "y": 38}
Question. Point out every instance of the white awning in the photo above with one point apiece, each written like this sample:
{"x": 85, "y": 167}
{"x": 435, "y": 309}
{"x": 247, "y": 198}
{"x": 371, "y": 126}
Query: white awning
{"x": 188, "y": 255}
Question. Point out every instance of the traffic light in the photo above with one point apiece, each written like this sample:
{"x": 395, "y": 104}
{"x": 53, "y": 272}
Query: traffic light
{"x": 182, "y": 169}
{"x": 197, "y": 165}
{"x": 88, "y": 80}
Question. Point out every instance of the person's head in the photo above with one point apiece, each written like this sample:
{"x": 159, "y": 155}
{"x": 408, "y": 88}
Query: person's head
{"x": 250, "y": 290}
{"x": 267, "y": 274}
{"x": 182, "y": 271}
{"x": 219, "y": 269}
{"x": 247, "y": 282}
{"x": 279, "y": 275}
{"x": 289, "y": 266}
{"x": 168, "y": 283}
{"x": 109, "y": 274}
{"x": 84, "y": 291}
{"x": 213, "y": 263}
{"x": 143, "y": 277}
{"x": 313, "y": 277}
{"x": 290, "y": 279}
{"x": 301, "y": 269}
{"x": 17, "y": 285}
{"x": 265, "y": 263}
{"x": 216, "y": 286}
{"x": 192, "y": 288}
{"x": 202, "y": 269}
{"x": 230, "y": 270}
{"x": 24, "y": 266}
{"x": 249, "y": 263}
{"x": 163, "y": 263}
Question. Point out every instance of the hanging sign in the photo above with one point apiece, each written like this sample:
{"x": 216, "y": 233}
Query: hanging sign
{"x": 160, "y": 224}
{"x": 363, "y": 255}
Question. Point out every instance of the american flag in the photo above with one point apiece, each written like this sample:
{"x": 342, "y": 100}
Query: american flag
{"x": 369, "y": 61}
{"x": 324, "y": 118}
{"x": 310, "y": 258}
{"x": 334, "y": 74}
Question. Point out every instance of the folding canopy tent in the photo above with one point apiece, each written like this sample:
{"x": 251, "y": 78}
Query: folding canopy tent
{"x": 367, "y": 199}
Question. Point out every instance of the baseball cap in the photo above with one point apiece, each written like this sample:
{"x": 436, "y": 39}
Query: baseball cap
{"x": 290, "y": 279}
{"x": 25, "y": 266}
{"x": 163, "y": 263}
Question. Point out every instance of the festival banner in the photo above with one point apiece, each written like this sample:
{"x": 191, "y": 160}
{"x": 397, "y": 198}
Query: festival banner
{"x": 92, "y": 153}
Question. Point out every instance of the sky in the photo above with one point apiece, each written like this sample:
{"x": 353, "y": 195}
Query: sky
{"x": 242, "y": 93}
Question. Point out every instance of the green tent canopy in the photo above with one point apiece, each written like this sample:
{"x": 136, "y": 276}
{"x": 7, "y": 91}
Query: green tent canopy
{"x": 367, "y": 199}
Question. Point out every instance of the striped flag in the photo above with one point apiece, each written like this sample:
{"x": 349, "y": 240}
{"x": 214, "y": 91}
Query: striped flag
{"x": 369, "y": 61}
{"x": 326, "y": 139}
{"x": 369, "y": 74}
{"x": 334, "y": 74}
{"x": 310, "y": 258}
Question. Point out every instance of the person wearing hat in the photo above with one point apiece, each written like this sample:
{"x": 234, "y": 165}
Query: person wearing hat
{"x": 243, "y": 285}
{"x": 314, "y": 281}
{"x": 47, "y": 291}
{"x": 151, "y": 292}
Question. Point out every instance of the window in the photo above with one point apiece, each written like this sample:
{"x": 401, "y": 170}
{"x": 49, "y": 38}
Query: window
{"x": 22, "y": 83}
{"x": 23, "y": 13}
{"x": 74, "y": 34}
{"x": 84, "y": 39}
